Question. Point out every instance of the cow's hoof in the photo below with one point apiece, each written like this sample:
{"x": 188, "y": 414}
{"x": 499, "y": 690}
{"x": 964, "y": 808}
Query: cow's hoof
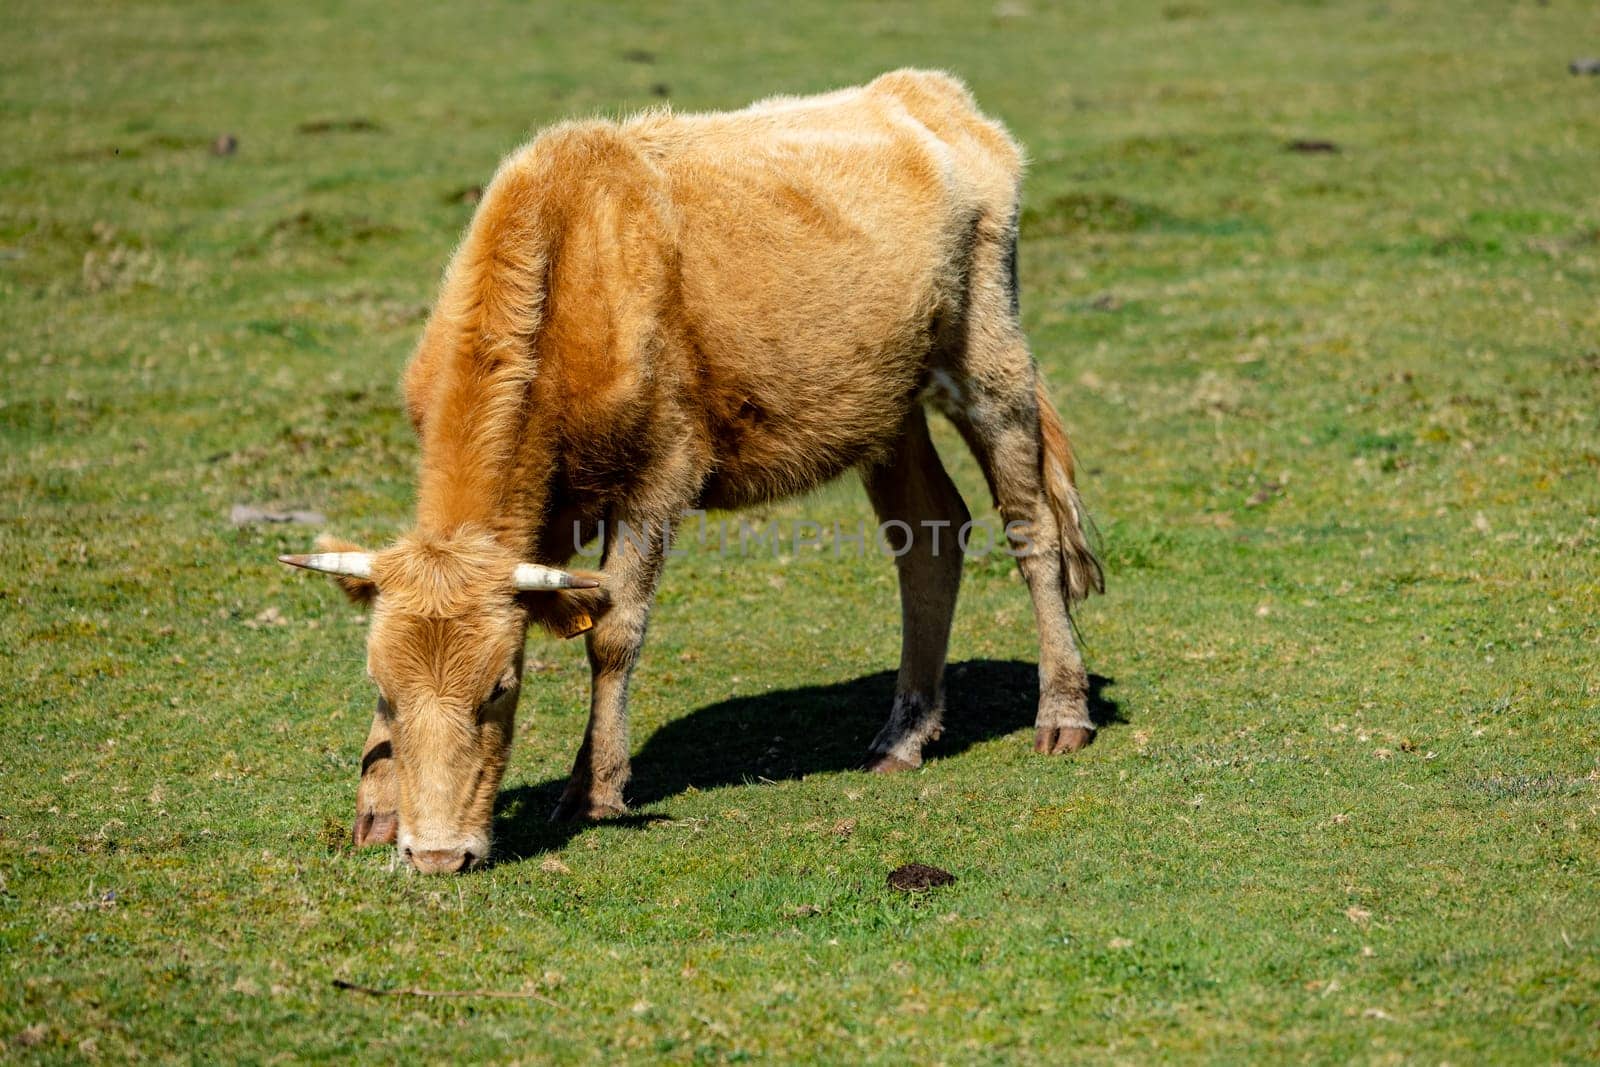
{"x": 586, "y": 809}
{"x": 887, "y": 764}
{"x": 1059, "y": 740}
{"x": 375, "y": 828}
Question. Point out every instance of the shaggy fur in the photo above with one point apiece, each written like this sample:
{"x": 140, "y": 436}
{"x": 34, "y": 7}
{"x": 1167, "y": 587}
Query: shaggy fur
{"x": 707, "y": 310}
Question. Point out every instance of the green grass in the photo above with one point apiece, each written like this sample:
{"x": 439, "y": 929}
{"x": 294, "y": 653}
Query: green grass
{"x": 1338, "y": 421}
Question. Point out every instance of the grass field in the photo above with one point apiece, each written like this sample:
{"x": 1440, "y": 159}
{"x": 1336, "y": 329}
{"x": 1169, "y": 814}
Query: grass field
{"x": 1339, "y": 417}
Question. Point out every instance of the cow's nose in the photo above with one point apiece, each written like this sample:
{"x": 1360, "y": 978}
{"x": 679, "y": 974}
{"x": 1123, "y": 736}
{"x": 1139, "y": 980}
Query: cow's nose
{"x": 440, "y": 860}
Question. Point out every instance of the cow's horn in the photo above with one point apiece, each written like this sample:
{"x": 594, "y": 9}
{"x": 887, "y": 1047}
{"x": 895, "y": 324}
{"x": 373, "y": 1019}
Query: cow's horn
{"x": 349, "y": 564}
{"x": 531, "y": 576}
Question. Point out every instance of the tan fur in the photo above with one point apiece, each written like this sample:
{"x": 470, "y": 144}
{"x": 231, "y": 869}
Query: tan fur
{"x": 1082, "y": 574}
{"x": 712, "y": 310}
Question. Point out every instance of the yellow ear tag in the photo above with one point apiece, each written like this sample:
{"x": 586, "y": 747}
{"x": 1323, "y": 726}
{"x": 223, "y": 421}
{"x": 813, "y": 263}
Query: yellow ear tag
{"x": 577, "y": 624}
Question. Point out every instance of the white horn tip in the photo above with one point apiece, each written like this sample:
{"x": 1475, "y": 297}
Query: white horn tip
{"x": 531, "y": 577}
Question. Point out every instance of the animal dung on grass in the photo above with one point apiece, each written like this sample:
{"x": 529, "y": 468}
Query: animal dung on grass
{"x": 919, "y": 877}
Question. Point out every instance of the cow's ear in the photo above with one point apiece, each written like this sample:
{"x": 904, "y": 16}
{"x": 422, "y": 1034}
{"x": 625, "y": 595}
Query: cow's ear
{"x": 567, "y": 612}
{"x": 359, "y": 590}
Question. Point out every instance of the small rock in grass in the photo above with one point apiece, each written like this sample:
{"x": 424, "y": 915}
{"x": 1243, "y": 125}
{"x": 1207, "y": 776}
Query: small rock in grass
{"x": 1584, "y": 65}
{"x": 246, "y": 514}
{"x": 1313, "y": 146}
{"x": 1264, "y": 494}
{"x": 916, "y": 877}
{"x": 268, "y": 616}
{"x": 225, "y": 145}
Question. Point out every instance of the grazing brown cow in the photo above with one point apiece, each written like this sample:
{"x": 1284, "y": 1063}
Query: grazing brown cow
{"x": 712, "y": 311}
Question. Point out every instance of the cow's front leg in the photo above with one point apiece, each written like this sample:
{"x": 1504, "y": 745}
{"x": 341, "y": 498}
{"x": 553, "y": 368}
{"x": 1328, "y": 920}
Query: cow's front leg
{"x": 632, "y": 565}
{"x": 378, "y": 795}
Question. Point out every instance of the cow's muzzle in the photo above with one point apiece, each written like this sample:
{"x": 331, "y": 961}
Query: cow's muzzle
{"x": 442, "y": 860}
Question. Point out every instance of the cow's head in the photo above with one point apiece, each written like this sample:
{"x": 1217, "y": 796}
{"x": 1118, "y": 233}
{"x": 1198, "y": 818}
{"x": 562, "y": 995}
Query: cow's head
{"x": 449, "y": 618}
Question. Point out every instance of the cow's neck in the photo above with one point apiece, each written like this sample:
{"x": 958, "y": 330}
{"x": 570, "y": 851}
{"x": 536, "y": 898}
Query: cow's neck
{"x": 473, "y": 479}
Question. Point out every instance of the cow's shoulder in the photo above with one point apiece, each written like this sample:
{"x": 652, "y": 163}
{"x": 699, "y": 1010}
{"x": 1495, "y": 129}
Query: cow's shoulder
{"x": 581, "y": 192}
{"x": 562, "y": 173}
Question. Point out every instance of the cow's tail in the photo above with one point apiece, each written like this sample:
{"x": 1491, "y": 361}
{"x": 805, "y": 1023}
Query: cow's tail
{"x": 1080, "y": 569}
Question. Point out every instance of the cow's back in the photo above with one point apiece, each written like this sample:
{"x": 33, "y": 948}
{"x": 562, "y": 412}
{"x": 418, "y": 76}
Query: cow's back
{"x": 818, "y": 241}
{"x": 751, "y": 294}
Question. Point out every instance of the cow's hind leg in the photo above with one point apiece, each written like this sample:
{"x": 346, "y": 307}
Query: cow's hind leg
{"x": 922, "y": 515}
{"x": 1000, "y": 407}
{"x": 1004, "y": 436}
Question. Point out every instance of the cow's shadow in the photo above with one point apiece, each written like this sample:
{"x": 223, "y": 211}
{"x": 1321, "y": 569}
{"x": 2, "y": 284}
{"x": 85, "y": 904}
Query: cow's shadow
{"x": 788, "y": 734}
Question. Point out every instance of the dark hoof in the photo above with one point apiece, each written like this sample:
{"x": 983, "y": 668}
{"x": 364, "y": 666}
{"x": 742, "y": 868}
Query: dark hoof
{"x": 1060, "y": 740}
{"x": 586, "y": 809}
{"x": 886, "y": 764}
{"x": 375, "y": 828}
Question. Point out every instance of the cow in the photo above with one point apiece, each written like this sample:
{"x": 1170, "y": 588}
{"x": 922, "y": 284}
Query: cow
{"x": 697, "y": 311}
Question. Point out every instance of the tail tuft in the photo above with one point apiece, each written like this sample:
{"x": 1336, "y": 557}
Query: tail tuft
{"x": 1081, "y": 573}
